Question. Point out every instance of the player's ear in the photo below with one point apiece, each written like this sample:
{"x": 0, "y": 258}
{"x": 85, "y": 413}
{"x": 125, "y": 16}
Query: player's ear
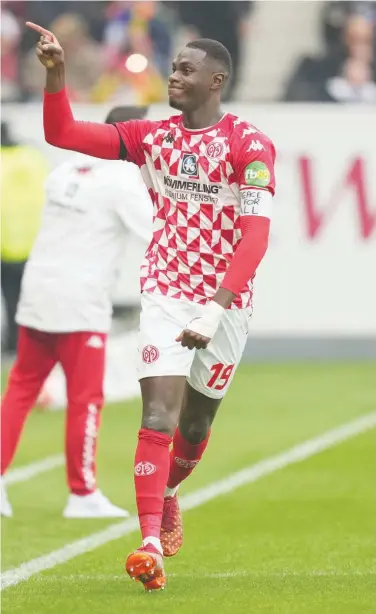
{"x": 218, "y": 80}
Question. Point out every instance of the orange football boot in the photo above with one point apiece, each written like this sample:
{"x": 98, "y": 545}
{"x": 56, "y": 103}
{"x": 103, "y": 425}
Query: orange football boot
{"x": 172, "y": 527}
{"x": 145, "y": 565}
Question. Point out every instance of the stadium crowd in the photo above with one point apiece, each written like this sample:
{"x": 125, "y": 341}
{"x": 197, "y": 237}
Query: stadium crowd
{"x": 346, "y": 69}
{"x": 99, "y": 37}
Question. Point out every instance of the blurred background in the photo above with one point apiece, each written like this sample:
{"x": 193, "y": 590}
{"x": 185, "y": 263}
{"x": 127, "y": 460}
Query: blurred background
{"x": 302, "y": 51}
{"x": 304, "y": 72}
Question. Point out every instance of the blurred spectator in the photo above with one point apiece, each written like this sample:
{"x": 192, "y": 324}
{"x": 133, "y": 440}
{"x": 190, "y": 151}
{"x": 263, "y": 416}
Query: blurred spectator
{"x": 145, "y": 29}
{"x": 336, "y": 14}
{"x": 349, "y": 58}
{"x": 44, "y": 13}
{"x": 10, "y": 41}
{"x": 225, "y": 21}
{"x": 353, "y": 85}
{"x": 23, "y": 172}
{"x": 140, "y": 27}
{"x": 83, "y": 55}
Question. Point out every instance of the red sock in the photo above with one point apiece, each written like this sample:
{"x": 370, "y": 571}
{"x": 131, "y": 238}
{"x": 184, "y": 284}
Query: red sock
{"x": 184, "y": 457}
{"x": 151, "y": 468}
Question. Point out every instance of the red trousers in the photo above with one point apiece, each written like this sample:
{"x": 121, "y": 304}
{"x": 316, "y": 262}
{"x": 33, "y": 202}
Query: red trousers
{"x": 82, "y": 357}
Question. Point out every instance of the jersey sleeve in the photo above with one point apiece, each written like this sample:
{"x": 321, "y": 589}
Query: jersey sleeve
{"x": 132, "y": 134}
{"x": 253, "y": 162}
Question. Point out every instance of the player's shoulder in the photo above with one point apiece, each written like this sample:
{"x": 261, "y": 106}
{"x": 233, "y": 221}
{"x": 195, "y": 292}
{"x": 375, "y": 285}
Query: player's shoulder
{"x": 241, "y": 132}
{"x": 167, "y": 124}
{"x": 152, "y": 129}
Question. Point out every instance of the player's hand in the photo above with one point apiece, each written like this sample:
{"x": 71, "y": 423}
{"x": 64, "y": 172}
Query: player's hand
{"x": 199, "y": 331}
{"x": 191, "y": 340}
{"x": 49, "y": 51}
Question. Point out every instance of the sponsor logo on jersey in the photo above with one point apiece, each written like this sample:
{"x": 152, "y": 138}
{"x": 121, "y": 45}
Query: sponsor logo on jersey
{"x": 256, "y": 146}
{"x": 189, "y": 166}
{"x": 257, "y": 174}
{"x": 191, "y": 186}
{"x": 182, "y": 190}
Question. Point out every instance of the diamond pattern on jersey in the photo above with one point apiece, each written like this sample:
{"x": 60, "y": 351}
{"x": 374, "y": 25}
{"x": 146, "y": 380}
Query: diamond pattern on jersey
{"x": 196, "y": 217}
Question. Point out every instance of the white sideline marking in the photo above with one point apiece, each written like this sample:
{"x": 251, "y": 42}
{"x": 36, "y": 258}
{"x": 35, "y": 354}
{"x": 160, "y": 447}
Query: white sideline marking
{"x": 250, "y": 474}
{"x": 26, "y": 472}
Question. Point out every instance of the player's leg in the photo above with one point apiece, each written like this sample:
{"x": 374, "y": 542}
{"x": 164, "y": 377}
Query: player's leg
{"x": 189, "y": 443}
{"x": 163, "y": 367}
{"x": 191, "y": 436}
{"x": 82, "y": 357}
{"x": 35, "y": 359}
{"x": 210, "y": 377}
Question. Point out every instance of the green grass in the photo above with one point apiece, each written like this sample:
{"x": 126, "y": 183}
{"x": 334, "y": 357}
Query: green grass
{"x": 302, "y": 540}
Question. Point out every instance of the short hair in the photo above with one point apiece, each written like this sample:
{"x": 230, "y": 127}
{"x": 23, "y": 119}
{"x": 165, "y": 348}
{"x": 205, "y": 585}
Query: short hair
{"x": 125, "y": 114}
{"x": 214, "y": 50}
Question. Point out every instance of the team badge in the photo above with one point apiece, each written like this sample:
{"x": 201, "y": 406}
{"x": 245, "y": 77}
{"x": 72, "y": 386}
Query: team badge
{"x": 214, "y": 150}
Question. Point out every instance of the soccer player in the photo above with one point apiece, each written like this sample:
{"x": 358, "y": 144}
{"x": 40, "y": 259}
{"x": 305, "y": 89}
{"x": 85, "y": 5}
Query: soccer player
{"x": 211, "y": 178}
{"x": 92, "y": 209}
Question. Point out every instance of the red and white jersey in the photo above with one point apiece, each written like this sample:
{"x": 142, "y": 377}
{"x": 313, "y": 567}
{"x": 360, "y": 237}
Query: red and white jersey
{"x": 201, "y": 182}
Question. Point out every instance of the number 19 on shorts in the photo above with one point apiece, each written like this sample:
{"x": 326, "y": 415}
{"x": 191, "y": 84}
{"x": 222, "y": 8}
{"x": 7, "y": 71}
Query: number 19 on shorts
{"x": 221, "y": 376}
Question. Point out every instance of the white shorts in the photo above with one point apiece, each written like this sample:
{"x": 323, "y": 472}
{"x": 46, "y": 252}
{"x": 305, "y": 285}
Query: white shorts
{"x": 208, "y": 371}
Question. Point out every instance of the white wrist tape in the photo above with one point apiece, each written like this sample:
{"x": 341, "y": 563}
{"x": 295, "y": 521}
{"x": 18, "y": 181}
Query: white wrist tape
{"x": 207, "y": 324}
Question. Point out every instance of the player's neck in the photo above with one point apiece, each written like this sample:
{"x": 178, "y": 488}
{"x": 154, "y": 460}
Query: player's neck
{"x": 202, "y": 118}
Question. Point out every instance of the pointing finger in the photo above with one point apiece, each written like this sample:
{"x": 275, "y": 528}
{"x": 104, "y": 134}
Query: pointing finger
{"x": 40, "y": 30}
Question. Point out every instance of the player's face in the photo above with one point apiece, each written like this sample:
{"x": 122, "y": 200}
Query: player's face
{"x": 192, "y": 80}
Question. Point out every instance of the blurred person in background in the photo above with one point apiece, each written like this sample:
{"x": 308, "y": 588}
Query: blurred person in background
{"x": 23, "y": 172}
{"x": 350, "y": 57}
{"x": 10, "y": 42}
{"x": 91, "y": 11}
{"x": 142, "y": 28}
{"x": 335, "y": 15}
{"x": 354, "y": 84}
{"x": 64, "y": 312}
{"x": 85, "y": 59}
{"x": 225, "y": 21}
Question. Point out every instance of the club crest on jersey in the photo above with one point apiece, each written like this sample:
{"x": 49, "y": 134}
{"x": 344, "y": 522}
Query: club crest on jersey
{"x": 189, "y": 166}
{"x": 214, "y": 149}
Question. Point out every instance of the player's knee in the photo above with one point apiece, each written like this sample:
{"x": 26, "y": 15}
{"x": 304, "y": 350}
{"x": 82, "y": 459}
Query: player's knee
{"x": 160, "y": 417}
{"x": 195, "y": 431}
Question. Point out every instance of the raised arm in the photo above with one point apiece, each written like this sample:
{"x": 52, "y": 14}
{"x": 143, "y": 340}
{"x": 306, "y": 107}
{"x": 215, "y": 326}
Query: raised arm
{"x": 60, "y": 127}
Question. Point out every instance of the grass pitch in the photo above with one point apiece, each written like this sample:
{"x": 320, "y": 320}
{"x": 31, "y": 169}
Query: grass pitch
{"x": 301, "y": 540}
